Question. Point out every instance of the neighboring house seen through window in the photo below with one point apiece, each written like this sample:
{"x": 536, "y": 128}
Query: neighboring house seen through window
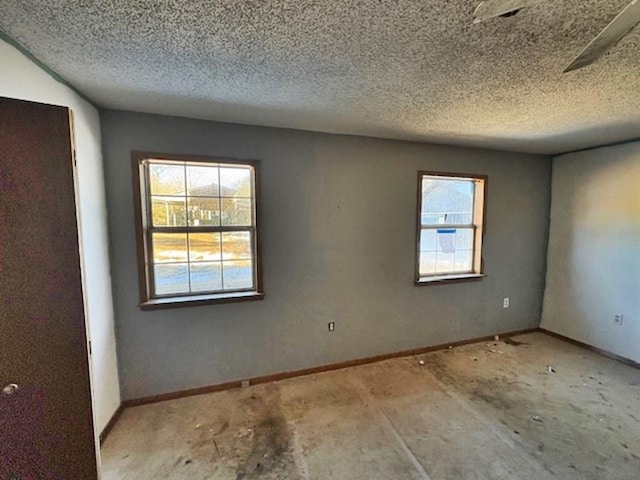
{"x": 450, "y": 226}
{"x": 197, "y": 228}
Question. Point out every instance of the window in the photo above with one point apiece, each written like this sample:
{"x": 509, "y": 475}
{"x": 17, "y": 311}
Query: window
{"x": 450, "y": 226}
{"x": 197, "y": 229}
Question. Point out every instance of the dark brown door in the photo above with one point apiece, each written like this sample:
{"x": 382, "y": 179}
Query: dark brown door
{"x": 46, "y": 426}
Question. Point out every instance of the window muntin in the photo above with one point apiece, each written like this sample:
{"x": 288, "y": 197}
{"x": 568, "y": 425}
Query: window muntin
{"x": 198, "y": 227}
{"x": 450, "y": 226}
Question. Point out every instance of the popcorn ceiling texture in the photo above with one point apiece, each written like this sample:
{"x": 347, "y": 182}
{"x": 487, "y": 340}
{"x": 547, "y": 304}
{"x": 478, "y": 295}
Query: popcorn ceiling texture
{"x": 406, "y": 69}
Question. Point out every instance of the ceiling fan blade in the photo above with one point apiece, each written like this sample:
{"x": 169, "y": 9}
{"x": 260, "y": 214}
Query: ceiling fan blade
{"x": 609, "y": 37}
{"x": 494, "y": 8}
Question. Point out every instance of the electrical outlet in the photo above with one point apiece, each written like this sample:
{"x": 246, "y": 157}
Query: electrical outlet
{"x": 617, "y": 319}
{"x": 505, "y": 302}
{"x": 332, "y": 326}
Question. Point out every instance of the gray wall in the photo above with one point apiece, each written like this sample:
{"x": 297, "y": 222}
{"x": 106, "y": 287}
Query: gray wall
{"x": 594, "y": 249}
{"x": 338, "y": 237}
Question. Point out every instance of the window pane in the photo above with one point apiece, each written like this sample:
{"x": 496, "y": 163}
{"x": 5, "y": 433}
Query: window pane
{"x": 169, "y": 247}
{"x": 190, "y": 195}
{"x": 204, "y": 247}
{"x": 454, "y": 246}
{"x": 428, "y": 240}
{"x": 237, "y": 274}
{"x": 171, "y": 278}
{"x": 204, "y": 211}
{"x": 446, "y": 250}
{"x": 202, "y": 181}
{"x": 236, "y": 212}
{"x": 166, "y": 179}
{"x": 235, "y": 181}
{"x": 236, "y": 245}
{"x": 464, "y": 260}
{"x": 464, "y": 239}
{"x": 447, "y": 240}
{"x": 445, "y": 262}
{"x": 446, "y": 201}
{"x": 427, "y": 263}
{"x": 206, "y": 277}
{"x": 168, "y": 211}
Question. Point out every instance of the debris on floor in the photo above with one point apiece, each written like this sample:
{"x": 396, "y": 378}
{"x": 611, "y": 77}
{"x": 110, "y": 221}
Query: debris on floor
{"x": 550, "y": 369}
{"x": 245, "y": 433}
{"x": 514, "y": 343}
{"x": 321, "y": 427}
{"x": 421, "y": 362}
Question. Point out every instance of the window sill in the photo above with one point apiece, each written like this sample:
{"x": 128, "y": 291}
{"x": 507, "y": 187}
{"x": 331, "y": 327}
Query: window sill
{"x": 197, "y": 300}
{"x": 435, "y": 280}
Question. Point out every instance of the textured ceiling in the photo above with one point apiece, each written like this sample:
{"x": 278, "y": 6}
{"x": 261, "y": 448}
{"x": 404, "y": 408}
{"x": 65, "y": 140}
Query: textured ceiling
{"x": 406, "y": 69}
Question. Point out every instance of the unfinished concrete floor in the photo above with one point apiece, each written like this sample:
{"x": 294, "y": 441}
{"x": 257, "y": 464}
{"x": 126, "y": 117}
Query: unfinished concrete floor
{"x": 482, "y": 411}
